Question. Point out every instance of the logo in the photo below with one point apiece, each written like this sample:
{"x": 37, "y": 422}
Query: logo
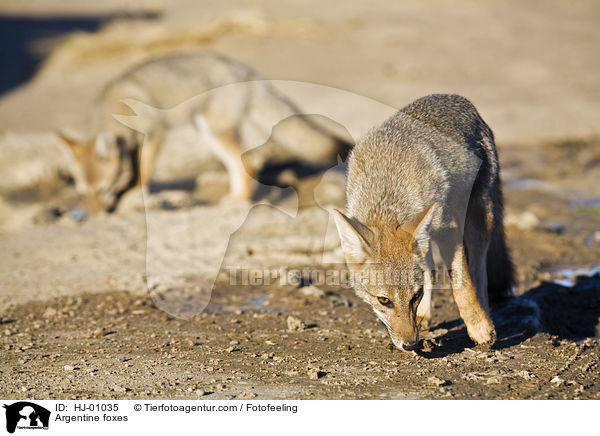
{"x": 26, "y": 415}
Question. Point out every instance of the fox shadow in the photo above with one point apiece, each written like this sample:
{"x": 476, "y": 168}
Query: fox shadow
{"x": 548, "y": 310}
{"x": 19, "y": 35}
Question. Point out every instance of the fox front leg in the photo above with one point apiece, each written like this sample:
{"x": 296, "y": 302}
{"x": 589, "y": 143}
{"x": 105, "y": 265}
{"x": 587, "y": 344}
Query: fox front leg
{"x": 479, "y": 325}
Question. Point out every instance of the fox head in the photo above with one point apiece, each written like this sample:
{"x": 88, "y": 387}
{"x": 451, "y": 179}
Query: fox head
{"x": 389, "y": 270}
{"x": 105, "y": 167}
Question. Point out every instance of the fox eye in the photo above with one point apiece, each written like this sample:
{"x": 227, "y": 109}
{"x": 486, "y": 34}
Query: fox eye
{"x": 385, "y": 301}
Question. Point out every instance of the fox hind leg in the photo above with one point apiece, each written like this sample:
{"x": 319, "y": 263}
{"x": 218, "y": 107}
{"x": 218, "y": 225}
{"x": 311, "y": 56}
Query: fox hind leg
{"x": 479, "y": 325}
{"x": 478, "y": 228}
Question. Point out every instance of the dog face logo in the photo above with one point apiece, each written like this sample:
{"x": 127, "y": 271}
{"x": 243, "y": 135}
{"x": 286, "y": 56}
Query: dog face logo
{"x": 26, "y": 415}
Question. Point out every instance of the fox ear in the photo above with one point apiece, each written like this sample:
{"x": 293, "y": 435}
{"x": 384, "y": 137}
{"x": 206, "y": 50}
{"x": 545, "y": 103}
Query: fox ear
{"x": 419, "y": 227}
{"x": 69, "y": 139}
{"x": 357, "y": 239}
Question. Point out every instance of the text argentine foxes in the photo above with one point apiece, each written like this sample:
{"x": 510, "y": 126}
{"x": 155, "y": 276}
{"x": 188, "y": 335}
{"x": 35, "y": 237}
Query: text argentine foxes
{"x": 429, "y": 173}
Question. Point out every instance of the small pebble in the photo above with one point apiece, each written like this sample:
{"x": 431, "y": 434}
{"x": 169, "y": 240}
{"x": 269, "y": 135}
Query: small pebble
{"x": 312, "y": 291}
{"x": 50, "y": 312}
{"x": 121, "y": 389}
{"x": 294, "y": 324}
{"x": 524, "y": 221}
{"x": 98, "y": 333}
{"x": 436, "y": 381}
{"x": 315, "y": 374}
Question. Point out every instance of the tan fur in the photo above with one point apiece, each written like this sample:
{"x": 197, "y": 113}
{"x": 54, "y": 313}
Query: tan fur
{"x": 469, "y": 303}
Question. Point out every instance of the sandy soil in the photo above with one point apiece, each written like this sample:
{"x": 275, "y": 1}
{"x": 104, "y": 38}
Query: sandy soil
{"x": 74, "y": 300}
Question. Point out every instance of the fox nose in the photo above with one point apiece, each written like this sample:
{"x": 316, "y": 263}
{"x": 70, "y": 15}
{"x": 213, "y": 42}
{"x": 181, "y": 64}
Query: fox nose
{"x": 410, "y": 346}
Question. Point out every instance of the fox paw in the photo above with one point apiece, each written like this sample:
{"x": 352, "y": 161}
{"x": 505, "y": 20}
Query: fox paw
{"x": 483, "y": 333}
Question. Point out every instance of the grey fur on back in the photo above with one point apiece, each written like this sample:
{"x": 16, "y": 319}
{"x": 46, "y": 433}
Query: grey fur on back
{"x": 438, "y": 150}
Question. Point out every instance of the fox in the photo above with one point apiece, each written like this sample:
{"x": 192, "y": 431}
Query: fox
{"x": 110, "y": 162}
{"x": 429, "y": 174}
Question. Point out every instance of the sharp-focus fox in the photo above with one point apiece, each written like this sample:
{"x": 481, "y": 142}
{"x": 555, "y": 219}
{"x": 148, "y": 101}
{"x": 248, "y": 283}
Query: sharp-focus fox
{"x": 111, "y": 162}
{"x": 429, "y": 173}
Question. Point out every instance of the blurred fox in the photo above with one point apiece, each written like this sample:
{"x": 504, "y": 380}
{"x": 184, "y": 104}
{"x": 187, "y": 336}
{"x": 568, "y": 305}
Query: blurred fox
{"x": 111, "y": 162}
{"x": 429, "y": 173}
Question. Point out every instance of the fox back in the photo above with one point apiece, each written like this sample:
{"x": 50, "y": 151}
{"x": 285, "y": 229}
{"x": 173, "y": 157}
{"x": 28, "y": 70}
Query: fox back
{"x": 428, "y": 152}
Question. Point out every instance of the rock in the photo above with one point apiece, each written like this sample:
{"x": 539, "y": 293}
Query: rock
{"x": 315, "y": 374}
{"x": 98, "y": 333}
{"x": 524, "y": 221}
{"x": 50, "y": 312}
{"x": 121, "y": 389}
{"x": 78, "y": 214}
{"x": 554, "y": 227}
{"x": 336, "y": 301}
{"x": 493, "y": 380}
{"x": 428, "y": 345}
{"x": 68, "y": 367}
{"x": 526, "y": 374}
{"x": 593, "y": 238}
{"x": 557, "y": 381}
{"x": 294, "y": 324}
{"x": 435, "y": 381}
{"x": 47, "y": 215}
{"x": 312, "y": 291}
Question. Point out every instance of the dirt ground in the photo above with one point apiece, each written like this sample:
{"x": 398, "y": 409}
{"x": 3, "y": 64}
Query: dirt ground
{"x": 77, "y": 317}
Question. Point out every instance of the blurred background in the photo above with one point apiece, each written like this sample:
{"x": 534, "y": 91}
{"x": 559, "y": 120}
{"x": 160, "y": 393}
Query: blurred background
{"x": 530, "y": 67}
